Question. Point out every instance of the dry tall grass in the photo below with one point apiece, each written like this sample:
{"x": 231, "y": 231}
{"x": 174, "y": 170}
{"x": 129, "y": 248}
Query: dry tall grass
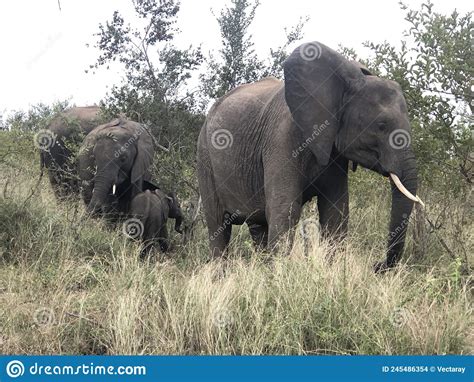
{"x": 72, "y": 285}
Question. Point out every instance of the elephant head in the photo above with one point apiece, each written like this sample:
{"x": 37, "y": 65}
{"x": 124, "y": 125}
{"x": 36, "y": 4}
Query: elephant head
{"x": 341, "y": 109}
{"x": 175, "y": 211}
{"x": 114, "y": 160}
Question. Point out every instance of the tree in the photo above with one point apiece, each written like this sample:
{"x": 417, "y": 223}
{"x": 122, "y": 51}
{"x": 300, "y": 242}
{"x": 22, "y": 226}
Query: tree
{"x": 274, "y": 66}
{"x": 154, "y": 90}
{"x": 237, "y": 62}
{"x": 161, "y": 74}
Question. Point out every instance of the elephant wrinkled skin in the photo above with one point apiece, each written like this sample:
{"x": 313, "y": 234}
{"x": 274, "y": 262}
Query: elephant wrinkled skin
{"x": 269, "y": 147}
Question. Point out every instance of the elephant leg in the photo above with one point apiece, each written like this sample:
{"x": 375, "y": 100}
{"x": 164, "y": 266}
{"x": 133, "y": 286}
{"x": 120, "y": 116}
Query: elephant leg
{"x": 219, "y": 236}
{"x": 219, "y": 232}
{"x": 333, "y": 202}
{"x": 282, "y": 215}
{"x": 333, "y": 216}
{"x": 56, "y": 182}
{"x": 283, "y": 190}
{"x": 147, "y": 240}
{"x": 163, "y": 239}
{"x": 281, "y": 224}
{"x": 148, "y": 236}
{"x": 146, "y": 248}
{"x": 259, "y": 234}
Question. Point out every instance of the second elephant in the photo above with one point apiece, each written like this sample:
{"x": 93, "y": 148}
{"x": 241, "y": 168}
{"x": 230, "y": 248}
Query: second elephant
{"x": 114, "y": 163}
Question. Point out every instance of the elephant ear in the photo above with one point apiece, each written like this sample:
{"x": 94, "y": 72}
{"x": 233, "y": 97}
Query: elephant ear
{"x": 316, "y": 80}
{"x": 144, "y": 157}
{"x": 362, "y": 68}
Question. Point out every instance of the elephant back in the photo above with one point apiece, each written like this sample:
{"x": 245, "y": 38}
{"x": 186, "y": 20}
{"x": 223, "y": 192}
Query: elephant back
{"x": 75, "y": 122}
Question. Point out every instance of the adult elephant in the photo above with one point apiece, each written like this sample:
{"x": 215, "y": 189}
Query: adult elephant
{"x": 114, "y": 162}
{"x": 269, "y": 147}
{"x": 58, "y": 144}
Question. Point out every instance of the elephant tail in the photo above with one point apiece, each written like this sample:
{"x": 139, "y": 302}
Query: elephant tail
{"x": 212, "y": 207}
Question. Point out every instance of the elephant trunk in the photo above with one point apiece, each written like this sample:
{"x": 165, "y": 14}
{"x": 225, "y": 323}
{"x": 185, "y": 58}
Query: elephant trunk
{"x": 401, "y": 210}
{"x": 103, "y": 183}
{"x": 178, "y": 223}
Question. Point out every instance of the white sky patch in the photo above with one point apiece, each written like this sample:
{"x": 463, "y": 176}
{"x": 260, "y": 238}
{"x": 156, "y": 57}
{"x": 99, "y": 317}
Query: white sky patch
{"x": 44, "y": 53}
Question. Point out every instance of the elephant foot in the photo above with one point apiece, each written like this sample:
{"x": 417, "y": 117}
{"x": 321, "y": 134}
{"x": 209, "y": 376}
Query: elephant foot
{"x": 382, "y": 267}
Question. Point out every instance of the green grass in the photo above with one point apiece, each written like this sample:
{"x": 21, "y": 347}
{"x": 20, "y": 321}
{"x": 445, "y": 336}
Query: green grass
{"x": 72, "y": 285}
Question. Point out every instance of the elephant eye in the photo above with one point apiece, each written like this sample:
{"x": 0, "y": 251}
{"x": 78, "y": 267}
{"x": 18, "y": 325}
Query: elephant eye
{"x": 382, "y": 125}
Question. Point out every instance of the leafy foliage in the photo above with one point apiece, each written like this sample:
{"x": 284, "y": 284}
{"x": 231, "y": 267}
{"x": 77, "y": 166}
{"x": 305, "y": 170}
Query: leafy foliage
{"x": 274, "y": 65}
{"x": 155, "y": 90}
{"x": 237, "y": 62}
{"x": 36, "y": 118}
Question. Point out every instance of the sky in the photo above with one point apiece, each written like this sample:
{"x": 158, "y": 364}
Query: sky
{"x": 45, "y": 53}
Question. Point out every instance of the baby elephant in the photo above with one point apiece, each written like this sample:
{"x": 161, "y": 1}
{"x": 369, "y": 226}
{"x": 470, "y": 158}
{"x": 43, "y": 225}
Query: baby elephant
{"x": 153, "y": 208}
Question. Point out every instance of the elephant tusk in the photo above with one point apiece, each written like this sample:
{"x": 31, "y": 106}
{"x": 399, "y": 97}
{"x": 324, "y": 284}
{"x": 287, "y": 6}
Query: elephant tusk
{"x": 404, "y": 191}
{"x": 114, "y": 187}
